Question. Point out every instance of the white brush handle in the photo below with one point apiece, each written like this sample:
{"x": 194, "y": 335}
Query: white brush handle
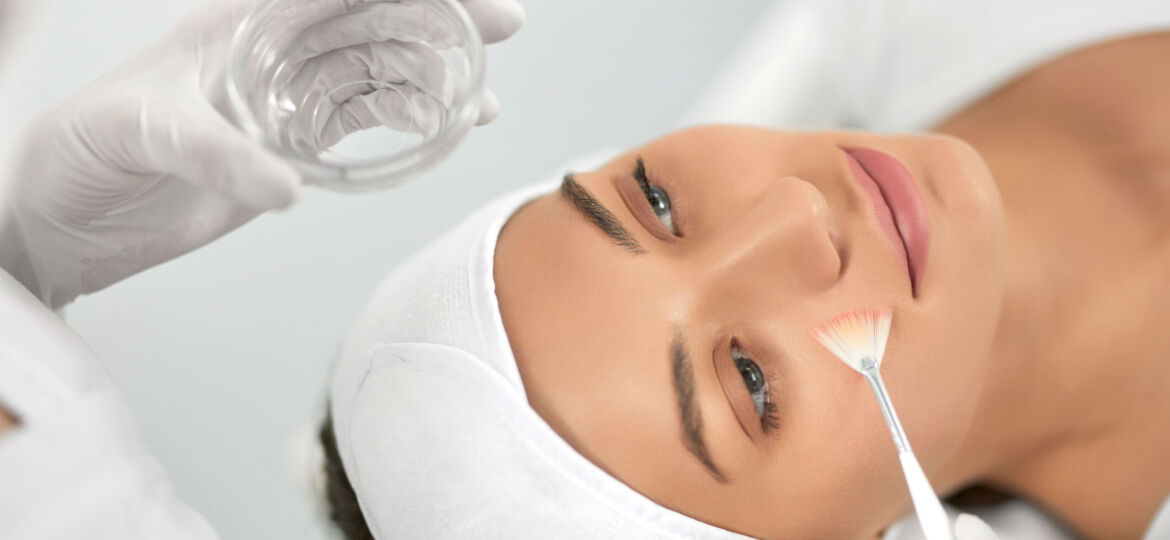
{"x": 933, "y": 519}
{"x": 931, "y": 516}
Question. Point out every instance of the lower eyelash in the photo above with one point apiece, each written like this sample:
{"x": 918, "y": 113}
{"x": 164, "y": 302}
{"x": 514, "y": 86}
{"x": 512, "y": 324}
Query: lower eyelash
{"x": 770, "y": 420}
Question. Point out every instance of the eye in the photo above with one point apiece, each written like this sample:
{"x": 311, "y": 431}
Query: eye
{"x": 660, "y": 203}
{"x": 757, "y": 387}
{"x": 753, "y": 379}
{"x": 657, "y": 197}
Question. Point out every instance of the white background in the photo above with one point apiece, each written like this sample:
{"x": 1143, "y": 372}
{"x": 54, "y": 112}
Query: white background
{"x": 225, "y": 353}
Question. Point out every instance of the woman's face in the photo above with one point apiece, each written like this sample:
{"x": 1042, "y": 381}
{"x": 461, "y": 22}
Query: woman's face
{"x": 675, "y": 350}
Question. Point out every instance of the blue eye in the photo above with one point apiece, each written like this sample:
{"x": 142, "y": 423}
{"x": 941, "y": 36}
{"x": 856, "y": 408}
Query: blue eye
{"x": 757, "y": 387}
{"x": 753, "y": 379}
{"x": 657, "y": 197}
{"x": 660, "y": 203}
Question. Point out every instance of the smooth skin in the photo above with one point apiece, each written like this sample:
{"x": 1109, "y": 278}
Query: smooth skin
{"x": 1032, "y": 359}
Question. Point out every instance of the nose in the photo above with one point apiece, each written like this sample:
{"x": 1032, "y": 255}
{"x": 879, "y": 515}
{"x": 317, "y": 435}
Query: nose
{"x": 784, "y": 238}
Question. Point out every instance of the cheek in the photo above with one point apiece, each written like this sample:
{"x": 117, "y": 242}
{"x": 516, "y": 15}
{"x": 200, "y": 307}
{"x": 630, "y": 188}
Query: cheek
{"x": 835, "y": 468}
{"x": 835, "y": 451}
{"x": 934, "y": 384}
{"x": 940, "y": 347}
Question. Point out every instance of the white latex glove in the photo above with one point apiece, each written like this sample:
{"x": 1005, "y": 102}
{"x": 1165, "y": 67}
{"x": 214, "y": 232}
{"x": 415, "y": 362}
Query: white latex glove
{"x": 970, "y": 527}
{"x": 143, "y": 166}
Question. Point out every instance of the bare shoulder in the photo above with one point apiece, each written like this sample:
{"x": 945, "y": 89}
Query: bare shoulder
{"x": 1103, "y": 108}
{"x": 1124, "y": 93}
{"x": 1114, "y": 88}
{"x": 1113, "y": 91}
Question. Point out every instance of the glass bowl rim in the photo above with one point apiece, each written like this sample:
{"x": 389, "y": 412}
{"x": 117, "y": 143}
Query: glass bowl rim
{"x": 381, "y": 170}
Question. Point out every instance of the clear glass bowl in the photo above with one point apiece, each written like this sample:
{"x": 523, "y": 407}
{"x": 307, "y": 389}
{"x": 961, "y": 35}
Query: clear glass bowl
{"x": 419, "y": 129}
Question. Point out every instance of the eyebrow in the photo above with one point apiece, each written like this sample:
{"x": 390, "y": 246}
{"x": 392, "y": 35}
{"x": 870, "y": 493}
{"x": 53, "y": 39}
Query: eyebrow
{"x": 691, "y": 418}
{"x": 598, "y": 214}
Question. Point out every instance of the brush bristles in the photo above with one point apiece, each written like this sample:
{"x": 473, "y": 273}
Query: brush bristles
{"x": 855, "y": 335}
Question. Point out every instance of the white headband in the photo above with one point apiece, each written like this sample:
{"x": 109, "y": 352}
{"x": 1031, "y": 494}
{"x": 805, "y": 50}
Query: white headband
{"x": 433, "y": 426}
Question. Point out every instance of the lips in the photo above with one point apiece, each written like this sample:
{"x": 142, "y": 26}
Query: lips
{"x": 898, "y": 205}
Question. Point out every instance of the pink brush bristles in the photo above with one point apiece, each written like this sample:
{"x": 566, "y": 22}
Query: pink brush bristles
{"x": 855, "y": 335}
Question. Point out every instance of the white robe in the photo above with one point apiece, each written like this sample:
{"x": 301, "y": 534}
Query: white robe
{"x": 76, "y": 466}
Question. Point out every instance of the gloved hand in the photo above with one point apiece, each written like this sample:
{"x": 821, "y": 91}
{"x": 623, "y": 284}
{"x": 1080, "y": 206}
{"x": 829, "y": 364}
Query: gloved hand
{"x": 143, "y": 165}
{"x": 970, "y": 527}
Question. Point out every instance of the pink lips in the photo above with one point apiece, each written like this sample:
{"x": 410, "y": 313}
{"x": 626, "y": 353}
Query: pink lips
{"x": 898, "y": 205}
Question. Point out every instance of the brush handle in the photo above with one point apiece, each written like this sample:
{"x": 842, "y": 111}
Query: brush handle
{"x": 933, "y": 519}
{"x": 874, "y": 378}
{"x": 931, "y": 516}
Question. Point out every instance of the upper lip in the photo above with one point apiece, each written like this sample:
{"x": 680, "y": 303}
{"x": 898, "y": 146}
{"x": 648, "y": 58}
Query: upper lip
{"x": 896, "y": 193}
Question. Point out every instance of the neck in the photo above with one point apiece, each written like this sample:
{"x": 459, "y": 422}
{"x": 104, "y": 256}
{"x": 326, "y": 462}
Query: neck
{"x": 1034, "y": 397}
{"x": 1079, "y": 360}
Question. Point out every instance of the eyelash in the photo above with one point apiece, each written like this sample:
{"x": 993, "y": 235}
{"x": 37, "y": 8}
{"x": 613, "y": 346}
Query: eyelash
{"x": 648, "y": 190}
{"x": 770, "y": 415}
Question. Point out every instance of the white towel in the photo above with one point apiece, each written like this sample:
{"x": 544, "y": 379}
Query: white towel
{"x": 433, "y": 426}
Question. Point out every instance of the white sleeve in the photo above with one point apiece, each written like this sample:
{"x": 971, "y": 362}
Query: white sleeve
{"x": 75, "y": 467}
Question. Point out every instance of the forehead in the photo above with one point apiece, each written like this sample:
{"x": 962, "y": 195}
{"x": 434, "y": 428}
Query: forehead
{"x": 596, "y": 361}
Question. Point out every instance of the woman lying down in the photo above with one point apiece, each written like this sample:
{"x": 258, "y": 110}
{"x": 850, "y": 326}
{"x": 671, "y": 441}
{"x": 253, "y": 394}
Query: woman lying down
{"x": 627, "y": 352}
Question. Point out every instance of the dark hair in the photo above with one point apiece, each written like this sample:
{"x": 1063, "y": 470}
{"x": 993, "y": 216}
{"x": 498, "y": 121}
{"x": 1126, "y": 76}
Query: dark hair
{"x": 342, "y": 502}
